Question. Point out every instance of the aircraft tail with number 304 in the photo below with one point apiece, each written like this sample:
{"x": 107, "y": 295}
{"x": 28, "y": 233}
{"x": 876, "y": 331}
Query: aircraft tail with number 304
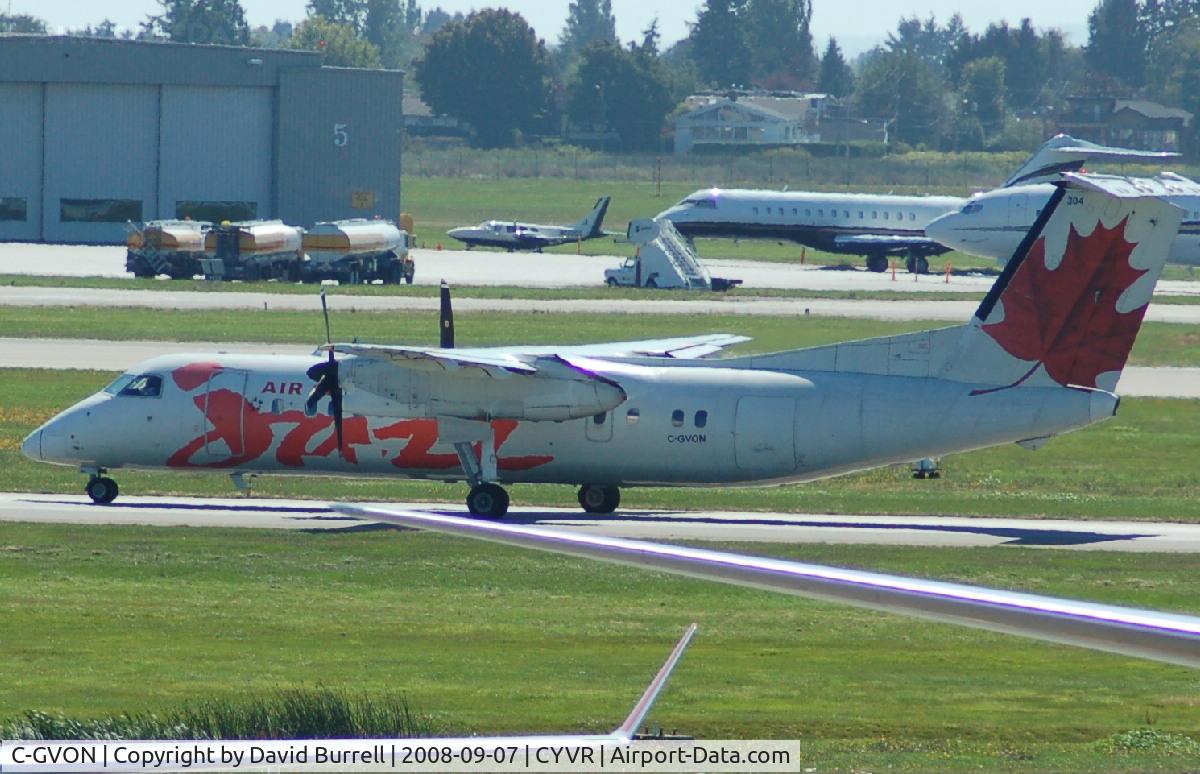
{"x": 1041, "y": 356}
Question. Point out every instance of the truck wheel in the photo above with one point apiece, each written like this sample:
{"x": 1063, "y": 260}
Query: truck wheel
{"x": 650, "y": 283}
{"x": 611, "y": 282}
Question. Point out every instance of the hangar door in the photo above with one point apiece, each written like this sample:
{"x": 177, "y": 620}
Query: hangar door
{"x": 20, "y": 161}
{"x": 216, "y": 153}
{"x": 102, "y": 154}
{"x": 763, "y": 435}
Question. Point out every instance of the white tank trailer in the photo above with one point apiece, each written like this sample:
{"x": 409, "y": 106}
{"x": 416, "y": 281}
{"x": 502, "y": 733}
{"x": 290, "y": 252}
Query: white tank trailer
{"x": 360, "y": 250}
{"x": 253, "y": 250}
{"x": 170, "y": 247}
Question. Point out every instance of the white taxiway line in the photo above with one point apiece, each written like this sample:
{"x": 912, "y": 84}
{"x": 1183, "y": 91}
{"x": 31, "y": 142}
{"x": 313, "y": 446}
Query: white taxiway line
{"x": 258, "y": 513}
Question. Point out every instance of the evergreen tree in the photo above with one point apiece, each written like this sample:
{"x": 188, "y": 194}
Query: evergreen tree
{"x": 836, "y": 77}
{"x": 650, "y": 38}
{"x": 983, "y": 92}
{"x": 200, "y": 21}
{"x": 1117, "y": 41}
{"x": 780, "y": 39}
{"x": 718, "y": 45}
{"x": 1026, "y": 68}
{"x": 351, "y": 13}
{"x": 489, "y": 70}
{"x": 588, "y": 22}
{"x": 386, "y": 26}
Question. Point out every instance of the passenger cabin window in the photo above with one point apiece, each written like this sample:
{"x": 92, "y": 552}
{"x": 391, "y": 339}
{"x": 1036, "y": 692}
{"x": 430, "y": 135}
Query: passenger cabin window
{"x": 677, "y": 418}
{"x": 846, "y": 214}
{"x": 701, "y": 419}
{"x": 885, "y": 215}
{"x": 277, "y": 406}
{"x": 874, "y": 215}
{"x": 820, "y": 213}
{"x": 807, "y": 213}
{"x": 632, "y": 416}
{"x": 142, "y": 386}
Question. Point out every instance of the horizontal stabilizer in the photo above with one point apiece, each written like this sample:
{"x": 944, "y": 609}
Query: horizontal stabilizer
{"x": 1064, "y": 153}
{"x": 1148, "y": 634}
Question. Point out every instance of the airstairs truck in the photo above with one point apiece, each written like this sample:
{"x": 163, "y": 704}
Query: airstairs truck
{"x": 664, "y": 259}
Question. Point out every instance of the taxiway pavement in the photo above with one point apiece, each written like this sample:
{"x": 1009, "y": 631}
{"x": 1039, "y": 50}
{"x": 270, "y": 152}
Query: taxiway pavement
{"x": 943, "y": 311}
{"x": 548, "y": 270}
{"x": 947, "y": 531}
{"x": 1145, "y": 382}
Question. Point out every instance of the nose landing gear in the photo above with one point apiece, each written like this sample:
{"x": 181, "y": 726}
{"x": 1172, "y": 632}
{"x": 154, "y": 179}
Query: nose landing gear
{"x": 101, "y": 489}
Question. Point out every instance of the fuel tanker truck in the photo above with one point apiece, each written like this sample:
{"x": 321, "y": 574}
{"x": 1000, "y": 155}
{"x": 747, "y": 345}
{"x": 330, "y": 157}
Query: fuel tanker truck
{"x": 170, "y": 247}
{"x": 253, "y": 250}
{"x": 359, "y": 250}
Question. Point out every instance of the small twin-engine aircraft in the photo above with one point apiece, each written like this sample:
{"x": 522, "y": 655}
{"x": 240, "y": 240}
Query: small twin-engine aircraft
{"x": 533, "y": 236}
{"x": 1041, "y": 356}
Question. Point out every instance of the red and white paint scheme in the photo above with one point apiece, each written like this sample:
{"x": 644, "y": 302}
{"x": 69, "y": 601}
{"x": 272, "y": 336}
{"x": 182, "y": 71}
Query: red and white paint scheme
{"x": 1041, "y": 357}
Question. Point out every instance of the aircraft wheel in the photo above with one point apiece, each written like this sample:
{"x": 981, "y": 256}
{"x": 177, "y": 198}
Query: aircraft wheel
{"x": 877, "y": 263}
{"x": 599, "y": 499}
{"x": 918, "y": 264}
{"x": 102, "y": 490}
{"x": 488, "y": 501}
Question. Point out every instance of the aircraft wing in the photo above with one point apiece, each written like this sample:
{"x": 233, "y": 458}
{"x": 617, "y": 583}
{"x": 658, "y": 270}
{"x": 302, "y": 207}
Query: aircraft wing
{"x": 890, "y": 243}
{"x": 683, "y": 348}
{"x": 432, "y": 359}
{"x": 1148, "y": 634}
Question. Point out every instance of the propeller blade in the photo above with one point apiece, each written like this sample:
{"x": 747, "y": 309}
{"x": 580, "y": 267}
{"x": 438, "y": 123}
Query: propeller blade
{"x": 447, "y": 319}
{"x": 325, "y": 375}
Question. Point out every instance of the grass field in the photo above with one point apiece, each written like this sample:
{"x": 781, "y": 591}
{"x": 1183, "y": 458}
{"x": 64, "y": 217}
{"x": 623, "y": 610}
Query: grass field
{"x": 493, "y": 640}
{"x": 1157, "y": 343}
{"x": 1139, "y": 465}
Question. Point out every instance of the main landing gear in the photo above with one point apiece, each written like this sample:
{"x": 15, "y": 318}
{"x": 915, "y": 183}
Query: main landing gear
{"x": 488, "y": 501}
{"x": 599, "y": 499}
{"x": 101, "y": 489}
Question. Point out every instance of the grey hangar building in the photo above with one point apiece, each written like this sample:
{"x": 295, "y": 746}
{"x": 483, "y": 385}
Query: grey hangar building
{"x": 98, "y": 132}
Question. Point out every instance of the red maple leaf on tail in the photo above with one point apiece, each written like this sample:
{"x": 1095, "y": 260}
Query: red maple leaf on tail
{"x": 1066, "y": 319}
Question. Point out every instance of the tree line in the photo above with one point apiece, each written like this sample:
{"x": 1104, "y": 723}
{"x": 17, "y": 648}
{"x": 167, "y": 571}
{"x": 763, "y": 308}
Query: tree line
{"x": 933, "y": 84}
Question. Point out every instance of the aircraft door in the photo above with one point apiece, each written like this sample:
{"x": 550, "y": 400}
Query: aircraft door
{"x": 764, "y": 442}
{"x": 600, "y": 427}
{"x": 225, "y": 408}
{"x": 1018, "y": 211}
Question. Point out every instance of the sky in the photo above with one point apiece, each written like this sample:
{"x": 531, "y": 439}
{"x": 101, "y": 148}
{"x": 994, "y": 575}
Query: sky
{"x": 857, "y": 24}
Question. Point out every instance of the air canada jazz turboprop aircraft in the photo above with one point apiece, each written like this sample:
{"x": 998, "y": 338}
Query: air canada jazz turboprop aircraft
{"x": 533, "y": 236}
{"x": 1041, "y": 356}
{"x": 874, "y": 225}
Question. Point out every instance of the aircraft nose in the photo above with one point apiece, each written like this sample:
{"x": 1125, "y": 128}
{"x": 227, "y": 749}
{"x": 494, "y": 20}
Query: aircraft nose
{"x": 31, "y": 447}
{"x": 943, "y": 230}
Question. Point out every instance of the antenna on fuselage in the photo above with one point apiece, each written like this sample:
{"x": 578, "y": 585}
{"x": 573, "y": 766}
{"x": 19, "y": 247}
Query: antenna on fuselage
{"x": 446, "y": 319}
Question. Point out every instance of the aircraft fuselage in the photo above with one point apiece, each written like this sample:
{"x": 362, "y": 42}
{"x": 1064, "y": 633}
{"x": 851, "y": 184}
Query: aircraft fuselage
{"x": 680, "y": 425}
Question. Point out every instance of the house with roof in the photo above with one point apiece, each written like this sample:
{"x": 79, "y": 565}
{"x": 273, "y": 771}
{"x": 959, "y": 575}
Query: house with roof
{"x": 1127, "y": 123}
{"x": 756, "y": 119}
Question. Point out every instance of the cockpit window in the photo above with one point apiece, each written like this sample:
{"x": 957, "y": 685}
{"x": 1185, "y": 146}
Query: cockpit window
{"x": 142, "y": 386}
{"x": 704, "y": 203}
{"x": 118, "y": 384}
{"x": 971, "y": 207}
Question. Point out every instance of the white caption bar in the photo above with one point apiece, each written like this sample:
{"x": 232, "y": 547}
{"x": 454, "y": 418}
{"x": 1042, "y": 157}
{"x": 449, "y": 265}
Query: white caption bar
{"x": 402, "y": 755}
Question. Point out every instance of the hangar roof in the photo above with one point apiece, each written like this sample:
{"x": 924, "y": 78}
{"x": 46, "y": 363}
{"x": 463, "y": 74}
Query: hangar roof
{"x": 70, "y": 59}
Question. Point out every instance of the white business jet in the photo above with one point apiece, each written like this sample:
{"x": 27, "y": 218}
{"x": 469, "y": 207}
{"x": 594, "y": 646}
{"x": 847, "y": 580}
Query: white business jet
{"x": 992, "y": 224}
{"x": 1041, "y": 356}
{"x": 873, "y": 225}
